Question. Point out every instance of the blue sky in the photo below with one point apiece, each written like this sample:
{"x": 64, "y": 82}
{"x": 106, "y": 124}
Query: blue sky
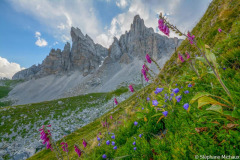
{"x": 30, "y": 28}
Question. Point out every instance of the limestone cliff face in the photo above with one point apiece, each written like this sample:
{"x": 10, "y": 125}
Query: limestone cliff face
{"x": 87, "y": 57}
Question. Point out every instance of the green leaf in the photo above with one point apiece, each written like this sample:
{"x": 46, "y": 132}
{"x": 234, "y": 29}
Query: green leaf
{"x": 199, "y": 95}
{"x": 235, "y": 113}
{"x": 202, "y": 59}
{"x": 211, "y": 57}
{"x": 140, "y": 115}
{"x": 216, "y": 108}
{"x": 208, "y": 100}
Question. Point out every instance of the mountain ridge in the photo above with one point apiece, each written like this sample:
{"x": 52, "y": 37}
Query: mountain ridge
{"x": 86, "y": 56}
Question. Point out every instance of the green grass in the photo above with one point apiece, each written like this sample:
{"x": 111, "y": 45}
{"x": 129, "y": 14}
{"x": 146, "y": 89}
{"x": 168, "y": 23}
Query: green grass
{"x": 219, "y": 134}
{"x": 4, "y": 90}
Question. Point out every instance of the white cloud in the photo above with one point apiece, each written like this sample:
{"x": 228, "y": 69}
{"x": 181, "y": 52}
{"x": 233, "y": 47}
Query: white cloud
{"x": 37, "y": 34}
{"x": 121, "y": 3}
{"x": 40, "y": 41}
{"x": 8, "y": 69}
{"x": 184, "y": 14}
{"x": 58, "y": 17}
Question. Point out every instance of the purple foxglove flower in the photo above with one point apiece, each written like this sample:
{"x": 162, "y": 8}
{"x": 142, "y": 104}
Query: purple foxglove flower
{"x": 115, "y": 147}
{"x": 113, "y": 143}
{"x": 186, "y": 106}
{"x": 115, "y": 100}
{"x": 135, "y": 148}
{"x": 64, "y": 146}
{"x": 84, "y": 143}
{"x": 180, "y": 57}
{"x": 165, "y": 113}
{"x": 107, "y": 142}
{"x": 155, "y": 102}
{"x": 176, "y": 90}
{"x": 190, "y": 85}
{"x": 148, "y": 58}
{"x": 190, "y": 37}
{"x": 148, "y": 99}
{"x": 104, "y": 156}
{"x": 178, "y": 98}
{"x": 135, "y": 123}
{"x": 219, "y": 30}
{"x": 134, "y": 143}
{"x": 131, "y": 88}
{"x": 113, "y": 136}
{"x": 78, "y": 151}
{"x": 186, "y": 92}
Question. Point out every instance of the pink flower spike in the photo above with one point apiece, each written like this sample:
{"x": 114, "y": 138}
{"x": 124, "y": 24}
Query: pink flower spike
{"x": 190, "y": 37}
{"x": 180, "y": 57}
{"x": 111, "y": 117}
{"x": 131, "y": 88}
{"x": 115, "y": 100}
{"x": 84, "y": 143}
{"x": 78, "y": 151}
{"x": 188, "y": 56}
{"x": 49, "y": 125}
{"x": 219, "y": 30}
{"x": 148, "y": 58}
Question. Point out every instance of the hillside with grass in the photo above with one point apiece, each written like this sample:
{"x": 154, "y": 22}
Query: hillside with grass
{"x": 190, "y": 110}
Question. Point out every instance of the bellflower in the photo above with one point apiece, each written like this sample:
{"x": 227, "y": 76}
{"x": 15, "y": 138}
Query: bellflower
{"x": 134, "y": 143}
{"x": 178, "y": 98}
{"x": 186, "y": 92}
{"x": 148, "y": 98}
{"x": 165, "y": 113}
{"x": 99, "y": 144}
{"x": 115, "y": 147}
{"x": 172, "y": 94}
{"x": 189, "y": 85}
{"x": 113, "y": 136}
{"x": 135, "y": 148}
{"x": 140, "y": 135}
{"x": 107, "y": 142}
{"x": 135, "y": 123}
{"x": 131, "y": 88}
{"x": 158, "y": 90}
{"x": 98, "y": 138}
{"x": 148, "y": 58}
{"x": 155, "y": 102}
{"x": 104, "y": 156}
{"x": 115, "y": 100}
{"x": 113, "y": 143}
{"x": 186, "y": 106}
{"x": 78, "y": 151}
{"x": 176, "y": 90}
{"x": 142, "y": 108}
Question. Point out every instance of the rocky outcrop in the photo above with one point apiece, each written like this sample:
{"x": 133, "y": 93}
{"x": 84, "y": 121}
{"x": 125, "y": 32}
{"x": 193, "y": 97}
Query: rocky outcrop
{"x": 86, "y": 57}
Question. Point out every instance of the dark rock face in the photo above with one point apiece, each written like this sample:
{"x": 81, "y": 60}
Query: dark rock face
{"x": 86, "y": 56}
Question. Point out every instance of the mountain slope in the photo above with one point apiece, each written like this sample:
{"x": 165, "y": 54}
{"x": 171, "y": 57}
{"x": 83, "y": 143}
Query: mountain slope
{"x": 86, "y": 67}
{"x": 182, "y": 140}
